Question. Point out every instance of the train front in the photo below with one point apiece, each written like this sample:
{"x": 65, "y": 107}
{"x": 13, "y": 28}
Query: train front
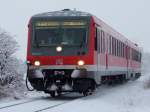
{"x": 60, "y": 53}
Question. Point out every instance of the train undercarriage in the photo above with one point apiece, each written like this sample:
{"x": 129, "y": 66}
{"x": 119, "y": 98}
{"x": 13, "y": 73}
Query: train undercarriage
{"x": 56, "y": 81}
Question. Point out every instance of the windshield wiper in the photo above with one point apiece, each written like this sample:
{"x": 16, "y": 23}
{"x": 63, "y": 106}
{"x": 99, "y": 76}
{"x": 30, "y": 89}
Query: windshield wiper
{"x": 36, "y": 42}
{"x": 81, "y": 45}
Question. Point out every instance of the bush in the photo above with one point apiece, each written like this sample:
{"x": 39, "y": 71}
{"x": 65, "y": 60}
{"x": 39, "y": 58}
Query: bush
{"x": 11, "y": 77}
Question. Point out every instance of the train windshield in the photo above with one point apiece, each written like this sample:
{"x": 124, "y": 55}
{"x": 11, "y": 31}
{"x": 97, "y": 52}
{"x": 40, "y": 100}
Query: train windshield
{"x": 60, "y": 33}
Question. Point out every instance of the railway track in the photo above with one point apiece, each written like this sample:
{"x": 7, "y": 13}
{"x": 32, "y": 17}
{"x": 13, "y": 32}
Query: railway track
{"x": 45, "y": 104}
{"x": 37, "y": 104}
{"x": 18, "y": 103}
{"x": 50, "y": 107}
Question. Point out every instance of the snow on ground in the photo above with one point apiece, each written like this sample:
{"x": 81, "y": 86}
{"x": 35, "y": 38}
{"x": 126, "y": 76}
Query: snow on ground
{"x": 129, "y": 97}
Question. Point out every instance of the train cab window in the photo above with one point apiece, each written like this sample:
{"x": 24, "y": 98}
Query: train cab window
{"x": 135, "y": 55}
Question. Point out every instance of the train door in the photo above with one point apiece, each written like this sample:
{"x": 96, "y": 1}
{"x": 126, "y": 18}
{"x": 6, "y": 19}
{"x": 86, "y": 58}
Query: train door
{"x": 128, "y": 61}
{"x": 97, "y": 48}
{"x": 130, "y": 65}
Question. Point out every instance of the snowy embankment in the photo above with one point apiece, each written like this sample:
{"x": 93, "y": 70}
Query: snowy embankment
{"x": 130, "y": 97}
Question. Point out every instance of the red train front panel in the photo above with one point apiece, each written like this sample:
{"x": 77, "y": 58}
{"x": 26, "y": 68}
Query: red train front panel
{"x": 61, "y": 54}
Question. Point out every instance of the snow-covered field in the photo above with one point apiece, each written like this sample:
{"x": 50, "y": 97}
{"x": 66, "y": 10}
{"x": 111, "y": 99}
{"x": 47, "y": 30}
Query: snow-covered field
{"x": 129, "y": 97}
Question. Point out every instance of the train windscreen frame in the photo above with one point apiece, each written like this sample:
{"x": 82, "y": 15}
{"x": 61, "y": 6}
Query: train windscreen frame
{"x": 61, "y": 26}
{"x": 54, "y": 33}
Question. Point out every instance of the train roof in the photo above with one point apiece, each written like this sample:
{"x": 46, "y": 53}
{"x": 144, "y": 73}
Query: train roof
{"x": 64, "y": 13}
{"x": 99, "y": 22}
{"x": 115, "y": 34}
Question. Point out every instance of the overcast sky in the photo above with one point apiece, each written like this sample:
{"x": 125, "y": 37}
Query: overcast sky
{"x": 129, "y": 17}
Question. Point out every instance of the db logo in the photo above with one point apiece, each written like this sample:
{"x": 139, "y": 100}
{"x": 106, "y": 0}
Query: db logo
{"x": 59, "y": 61}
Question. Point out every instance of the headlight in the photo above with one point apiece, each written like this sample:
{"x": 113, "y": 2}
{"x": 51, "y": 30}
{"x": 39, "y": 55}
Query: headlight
{"x": 37, "y": 63}
{"x": 28, "y": 62}
{"x": 59, "y": 49}
{"x": 80, "y": 62}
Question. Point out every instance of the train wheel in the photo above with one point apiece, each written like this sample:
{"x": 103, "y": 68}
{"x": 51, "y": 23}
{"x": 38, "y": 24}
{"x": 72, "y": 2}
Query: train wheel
{"x": 88, "y": 92}
{"x": 52, "y": 94}
{"x": 59, "y": 93}
{"x": 85, "y": 93}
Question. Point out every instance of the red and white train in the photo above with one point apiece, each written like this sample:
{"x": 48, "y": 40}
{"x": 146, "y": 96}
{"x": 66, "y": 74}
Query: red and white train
{"x": 75, "y": 51}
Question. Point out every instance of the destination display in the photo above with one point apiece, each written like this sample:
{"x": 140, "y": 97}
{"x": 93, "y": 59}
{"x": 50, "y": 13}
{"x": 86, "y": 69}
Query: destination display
{"x": 53, "y": 23}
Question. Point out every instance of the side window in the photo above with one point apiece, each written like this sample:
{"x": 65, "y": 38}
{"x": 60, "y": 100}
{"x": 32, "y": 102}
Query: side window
{"x": 95, "y": 39}
{"x": 117, "y": 47}
{"x": 140, "y": 57}
{"x": 128, "y": 52}
{"x": 102, "y": 41}
{"x": 98, "y": 40}
{"x": 124, "y": 50}
{"x": 113, "y": 46}
{"x": 110, "y": 44}
{"x": 121, "y": 49}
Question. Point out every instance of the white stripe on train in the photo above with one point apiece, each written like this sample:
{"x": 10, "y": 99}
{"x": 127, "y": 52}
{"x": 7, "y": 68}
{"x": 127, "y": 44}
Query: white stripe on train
{"x": 87, "y": 67}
